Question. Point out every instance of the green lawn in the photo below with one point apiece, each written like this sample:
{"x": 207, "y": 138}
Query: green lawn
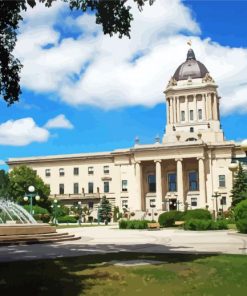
{"x": 181, "y": 275}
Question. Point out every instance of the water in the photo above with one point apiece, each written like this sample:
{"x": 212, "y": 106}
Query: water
{"x": 10, "y": 211}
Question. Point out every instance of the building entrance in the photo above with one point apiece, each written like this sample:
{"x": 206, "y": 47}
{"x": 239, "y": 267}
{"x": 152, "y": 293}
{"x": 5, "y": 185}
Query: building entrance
{"x": 172, "y": 204}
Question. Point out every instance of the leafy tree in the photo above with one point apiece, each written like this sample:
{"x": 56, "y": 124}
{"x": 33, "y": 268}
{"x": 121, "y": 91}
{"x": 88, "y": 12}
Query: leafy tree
{"x": 239, "y": 190}
{"x": 20, "y": 178}
{"x": 105, "y": 210}
{"x": 114, "y": 16}
{"x": 4, "y": 184}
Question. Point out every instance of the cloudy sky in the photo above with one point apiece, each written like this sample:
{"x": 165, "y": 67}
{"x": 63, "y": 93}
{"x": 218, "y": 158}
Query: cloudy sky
{"x": 84, "y": 92}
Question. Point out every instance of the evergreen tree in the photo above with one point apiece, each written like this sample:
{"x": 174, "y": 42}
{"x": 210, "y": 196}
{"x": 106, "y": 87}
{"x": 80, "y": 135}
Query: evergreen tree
{"x": 239, "y": 190}
{"x": 105, "y": 211}
{"x": 4, "y": 184}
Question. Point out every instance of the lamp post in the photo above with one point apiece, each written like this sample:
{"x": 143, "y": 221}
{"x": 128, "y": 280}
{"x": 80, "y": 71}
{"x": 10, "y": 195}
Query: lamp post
{"x": 54, "y": 206}
{"x": 30, "y": 195}
{"x": 216, "y": 195}
{"x": 80, "y": 212}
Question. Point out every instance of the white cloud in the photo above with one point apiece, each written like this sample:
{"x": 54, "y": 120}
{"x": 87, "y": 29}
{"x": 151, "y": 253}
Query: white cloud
{"x": 21, "y": 132}
{"x": 2, "y": 162}
{"x": 59, "y": 121}
{"x": 94, "y": 69}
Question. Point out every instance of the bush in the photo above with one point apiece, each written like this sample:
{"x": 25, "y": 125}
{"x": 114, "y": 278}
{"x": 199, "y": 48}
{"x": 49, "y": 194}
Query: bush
{"x": 197, "y": 214}
{"x": 133, "y": 224}
{"x": 168, "y": 219}
{"x": 67, "y": 219}
{"x": 40, "y": 214}
{"x": 240, "y": 212}
{"x": 200, "y": 224}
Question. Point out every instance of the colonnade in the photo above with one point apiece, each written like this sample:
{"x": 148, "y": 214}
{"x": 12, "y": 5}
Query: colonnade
{"x": 210, "y": 110}
{"x": 159, "y": 186}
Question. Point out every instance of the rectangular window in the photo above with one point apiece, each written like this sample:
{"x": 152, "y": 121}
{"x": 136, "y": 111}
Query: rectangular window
{"x": 125, "y": 203}
{"x": 193, "y": 201}
{"x": 191, "y": 115}
{"x": 61, "y": 172}
{"x": 76, "y": 171}
{"x": 61, "y": 188}
{"x": 106, "y": 187}
{"x": 200, "y": 114}
{"x": 151, "y": 183}
{"x": 222, "y": 181}
{"x": 90, "y": 170}
{"x": 172, "y": 182}
{"x": 90, "y": 187}
{"x": 90, "y": 204}
{"x": 223, "y": 200}
{"x": 182, "y": 115}
{"x": 106, "y": 169}
{"x": 47, "y": 172}
{"x": 124, "y": 185}
{"x": 76, "y": 188}
{"x": 193, "y": 181}
{"x": 152, "y": 203}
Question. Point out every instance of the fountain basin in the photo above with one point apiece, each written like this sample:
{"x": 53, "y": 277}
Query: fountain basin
{"x": 25, "y": 229}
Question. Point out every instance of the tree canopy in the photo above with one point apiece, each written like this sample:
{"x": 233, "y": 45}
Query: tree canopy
{"x": 4, "y": 184}
{"x": 20, "y": 178}
{"x": 114, "y": 16}
{"x": 239, "y": 190}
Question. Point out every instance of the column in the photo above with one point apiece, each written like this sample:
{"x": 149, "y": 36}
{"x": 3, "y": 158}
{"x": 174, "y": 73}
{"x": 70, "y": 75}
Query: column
{"x": 167, "y": 112}
{"x": 139, "y": 202}
{"x": 178, "y": 110}
{"x": 187, "y": 108}
{"x": 180, "y": 180}
{"x": 196, "y": 111}
{"x": 209, "y": 107}
{"x": 175, "y": 109}
{"x": 205, "y": 107}
{"x": 202, "y": 179}
{"x": 158, "y": 185}
{"x": 215, "y": 107}
{"x": 171, "y": 110}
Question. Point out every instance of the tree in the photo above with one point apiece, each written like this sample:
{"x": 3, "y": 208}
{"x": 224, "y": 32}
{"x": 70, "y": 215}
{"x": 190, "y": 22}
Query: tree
{"x": 105, "y": 211}
{"x": 4, "y": 184}
{"x": 20, "y": 178}
{"x": 239, "y": 190}
{"x": 114, "y": 16}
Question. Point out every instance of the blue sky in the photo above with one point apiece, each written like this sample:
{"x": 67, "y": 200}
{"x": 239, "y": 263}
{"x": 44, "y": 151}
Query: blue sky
{"x": 85, "y": 92}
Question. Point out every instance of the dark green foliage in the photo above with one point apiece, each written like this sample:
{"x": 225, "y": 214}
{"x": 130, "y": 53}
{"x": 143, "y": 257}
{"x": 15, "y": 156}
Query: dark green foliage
{"x": 239, "y": 190}
{"x": 116, "y": 214}
{"x": 62, "y": 211}
{"x": 241, "y": 216}
{"x": 20, "y": 178}
{"x": 40, "y": 214}
{"x": 168, "y": 219}
{"x": 105, "y": 212}
{"x": 200, "y": 224}
{"x": 133, "y": 224}
{"x": 197, "y": 214}
{"x": 67, "y": 219}
{"x": 114, "y": 16}
{"x": 4, "y": 184}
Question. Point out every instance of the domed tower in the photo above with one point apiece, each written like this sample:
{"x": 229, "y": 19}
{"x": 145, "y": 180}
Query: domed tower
{"x": 192, "y": 104}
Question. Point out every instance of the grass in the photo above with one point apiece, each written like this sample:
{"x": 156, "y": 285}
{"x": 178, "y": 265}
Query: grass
{"x": 178, "y": 275}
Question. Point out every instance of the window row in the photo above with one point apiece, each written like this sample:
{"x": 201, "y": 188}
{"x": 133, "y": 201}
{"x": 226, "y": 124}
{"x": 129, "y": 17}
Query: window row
{"x": 193, "y": 182}
{"x": 61, "y": 171}
{"x": 91, "y": 187}
{"x": 191, "y": 115}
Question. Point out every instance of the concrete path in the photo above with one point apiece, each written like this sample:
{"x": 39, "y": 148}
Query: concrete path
{"x": 97, "y": 240}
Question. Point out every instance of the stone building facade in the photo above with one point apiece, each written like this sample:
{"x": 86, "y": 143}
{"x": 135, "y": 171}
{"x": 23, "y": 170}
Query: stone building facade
{"x": 184, "y": 170}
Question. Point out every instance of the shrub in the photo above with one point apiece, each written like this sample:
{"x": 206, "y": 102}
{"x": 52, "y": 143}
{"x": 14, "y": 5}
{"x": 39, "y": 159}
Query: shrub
{"x": 242, "y": 225}
{"x": 168, "y": 219}
{"x": 66, "y": 219}
{"x": 200, "y": 224}
{"x": 40, "y": 214}
{"x": 197, "y": 214}
{"x": 133, "y": 224}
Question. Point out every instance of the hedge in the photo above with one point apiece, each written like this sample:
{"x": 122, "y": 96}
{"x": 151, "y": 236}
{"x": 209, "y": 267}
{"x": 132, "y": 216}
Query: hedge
{"x": 40, "y": 214}
{"x": 200, "y": 224}
{"x": 241, "y": 216}
{"x": 197, "y": 214}
{"x": 168, "y": 219}
{"x": 133, "y": 224}
{"x": 67, "y": 219}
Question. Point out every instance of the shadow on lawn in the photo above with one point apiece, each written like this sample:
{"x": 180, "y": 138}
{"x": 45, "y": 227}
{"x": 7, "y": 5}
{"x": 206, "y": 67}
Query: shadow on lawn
{"x": 63, "y": 276}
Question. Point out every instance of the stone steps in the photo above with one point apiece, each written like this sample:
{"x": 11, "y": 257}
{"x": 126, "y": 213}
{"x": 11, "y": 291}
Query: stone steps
{"x": 36, "y": 239}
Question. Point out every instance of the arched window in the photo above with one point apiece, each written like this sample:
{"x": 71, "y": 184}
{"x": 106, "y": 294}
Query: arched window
{"x": 191, "y": 140}
{"x": 191, "y": 129}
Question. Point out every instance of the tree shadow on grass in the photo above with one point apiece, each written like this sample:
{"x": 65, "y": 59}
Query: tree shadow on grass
{"x": 65, "y": 276}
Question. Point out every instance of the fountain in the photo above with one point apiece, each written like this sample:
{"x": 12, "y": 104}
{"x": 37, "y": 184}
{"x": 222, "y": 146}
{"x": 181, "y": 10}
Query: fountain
{"x": 17, "y": 226}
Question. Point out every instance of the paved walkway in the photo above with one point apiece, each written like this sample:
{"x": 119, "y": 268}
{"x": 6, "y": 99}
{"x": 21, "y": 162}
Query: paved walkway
{"x": 96, "y": 240}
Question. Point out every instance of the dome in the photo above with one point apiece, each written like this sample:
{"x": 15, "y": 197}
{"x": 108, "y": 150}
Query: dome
{"x": 190, "y": 68}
